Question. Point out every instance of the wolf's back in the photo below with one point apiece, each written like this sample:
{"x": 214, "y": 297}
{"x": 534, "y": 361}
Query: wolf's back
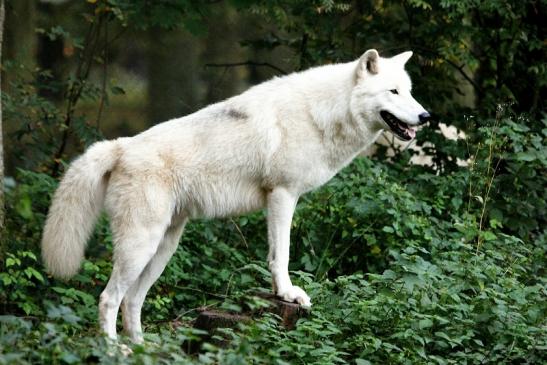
{"x": 75, "y": 207}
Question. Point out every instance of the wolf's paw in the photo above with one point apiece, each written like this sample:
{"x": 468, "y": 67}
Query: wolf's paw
{"x": 114, "y": 348}
{"x": 297, "y": 295}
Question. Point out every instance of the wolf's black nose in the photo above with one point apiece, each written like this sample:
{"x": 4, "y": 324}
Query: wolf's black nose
{"x": 424, "y": 117}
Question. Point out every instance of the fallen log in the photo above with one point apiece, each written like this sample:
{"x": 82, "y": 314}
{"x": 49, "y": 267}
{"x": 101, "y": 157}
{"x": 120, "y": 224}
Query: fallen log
{"x": 212, "y": 319}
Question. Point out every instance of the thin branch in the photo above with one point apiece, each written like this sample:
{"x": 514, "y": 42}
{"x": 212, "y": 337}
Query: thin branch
{"x": 117, "y": 36}
{"x": 200, "y": 291}
{"x": 248, "y": 63}
{"x": 409, "y": 19}
{"x": 2, "y": 207}
{"x": 490, "y": 182}
{"x": 240, "y": 233}
{"x": 103, "y": 81}
{"x": 76, "y": 88}
{"x": 182, "y": 314}
{"x": 458, "y": 68}
{"x": 303, "y": 50}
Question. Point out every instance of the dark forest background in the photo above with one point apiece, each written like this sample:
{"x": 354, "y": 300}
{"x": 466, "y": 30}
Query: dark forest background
{"x": 439, "y": 263}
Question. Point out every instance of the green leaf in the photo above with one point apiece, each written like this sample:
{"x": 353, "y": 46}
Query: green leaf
{"x": 24, "y": 207}
{"x": 410, "y": 281}
{"x": 6, "y": 279}
{"x": 488, "y": 235}
{"x": 36, "y": 274}
{"x": 526, "y": 156}
{"x": 425, "y": 323}
{"x": 116, "y": 90}
{"x": 70, "y": 358}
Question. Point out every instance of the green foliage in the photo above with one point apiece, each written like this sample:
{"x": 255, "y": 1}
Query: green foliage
{"x": 163, "y": 13}
{"x": 493, "y": 47}
{"x": 399, "y": 266}
{"x": 37, "y": 117}
{"x": 520, "y": 165}
{"x": 405, "y": 264}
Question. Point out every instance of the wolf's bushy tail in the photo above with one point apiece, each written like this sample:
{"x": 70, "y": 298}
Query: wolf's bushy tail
{"x": 75, "y": 207}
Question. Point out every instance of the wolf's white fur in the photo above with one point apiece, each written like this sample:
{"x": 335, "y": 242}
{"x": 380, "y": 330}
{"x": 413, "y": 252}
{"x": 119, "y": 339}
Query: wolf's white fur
{"x": 263, "y": 148}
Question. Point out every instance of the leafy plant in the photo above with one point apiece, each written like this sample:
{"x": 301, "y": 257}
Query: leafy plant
{"x": 405, "y": 264}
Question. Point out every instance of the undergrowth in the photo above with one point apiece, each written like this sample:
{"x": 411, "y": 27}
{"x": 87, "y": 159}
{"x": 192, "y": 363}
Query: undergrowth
{"x": 405, "y": 265}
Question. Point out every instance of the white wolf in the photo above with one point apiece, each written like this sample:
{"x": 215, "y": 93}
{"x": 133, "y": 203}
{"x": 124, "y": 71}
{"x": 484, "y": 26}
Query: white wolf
{"x": 261, "y": 149}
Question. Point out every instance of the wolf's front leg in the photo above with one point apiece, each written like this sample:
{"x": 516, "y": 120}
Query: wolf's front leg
{"x": 281, "y": 204}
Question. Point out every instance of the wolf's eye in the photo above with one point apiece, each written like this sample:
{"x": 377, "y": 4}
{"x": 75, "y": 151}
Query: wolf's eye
{"x": 394, "y": 91}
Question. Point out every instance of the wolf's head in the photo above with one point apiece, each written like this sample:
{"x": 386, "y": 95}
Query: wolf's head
{"x": 381, "y": 96}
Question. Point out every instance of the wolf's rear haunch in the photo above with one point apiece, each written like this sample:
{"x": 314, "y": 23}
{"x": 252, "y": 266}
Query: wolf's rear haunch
{"x": 74, "y": 209}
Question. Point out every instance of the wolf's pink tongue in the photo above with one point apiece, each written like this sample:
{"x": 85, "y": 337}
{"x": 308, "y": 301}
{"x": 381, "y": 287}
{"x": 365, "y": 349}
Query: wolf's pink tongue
{"x": 411, "y": 132}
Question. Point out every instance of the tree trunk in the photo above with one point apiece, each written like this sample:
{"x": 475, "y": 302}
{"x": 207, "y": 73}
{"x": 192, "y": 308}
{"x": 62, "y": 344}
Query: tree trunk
{"x": 2, "y": 208}
{"x": 20, "y": 41}
{"x": 220, "y": 46}
{"x": 173, "y": 83}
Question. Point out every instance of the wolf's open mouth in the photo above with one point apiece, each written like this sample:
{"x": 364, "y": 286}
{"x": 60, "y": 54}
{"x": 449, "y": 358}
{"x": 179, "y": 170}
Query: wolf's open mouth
{"x": 398, "y": 127}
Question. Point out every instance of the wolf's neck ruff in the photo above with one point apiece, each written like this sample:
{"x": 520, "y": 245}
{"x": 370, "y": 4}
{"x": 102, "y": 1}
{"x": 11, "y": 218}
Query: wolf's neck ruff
{"x": 328, "y": 96}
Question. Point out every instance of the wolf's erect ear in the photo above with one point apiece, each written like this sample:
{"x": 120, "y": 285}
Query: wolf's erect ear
{"x": 368, "y": 64}
{"x": 402, "y": 58}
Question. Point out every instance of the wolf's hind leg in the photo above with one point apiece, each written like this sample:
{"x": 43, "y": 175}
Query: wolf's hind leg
{"x": 139, "y": 223}
{"x": 127, "y": 268}
{"x": 135, "y": 296}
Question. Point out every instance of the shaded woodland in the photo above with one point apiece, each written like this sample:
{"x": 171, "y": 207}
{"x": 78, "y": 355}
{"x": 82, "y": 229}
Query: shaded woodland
{"x": 406, "y": 264}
